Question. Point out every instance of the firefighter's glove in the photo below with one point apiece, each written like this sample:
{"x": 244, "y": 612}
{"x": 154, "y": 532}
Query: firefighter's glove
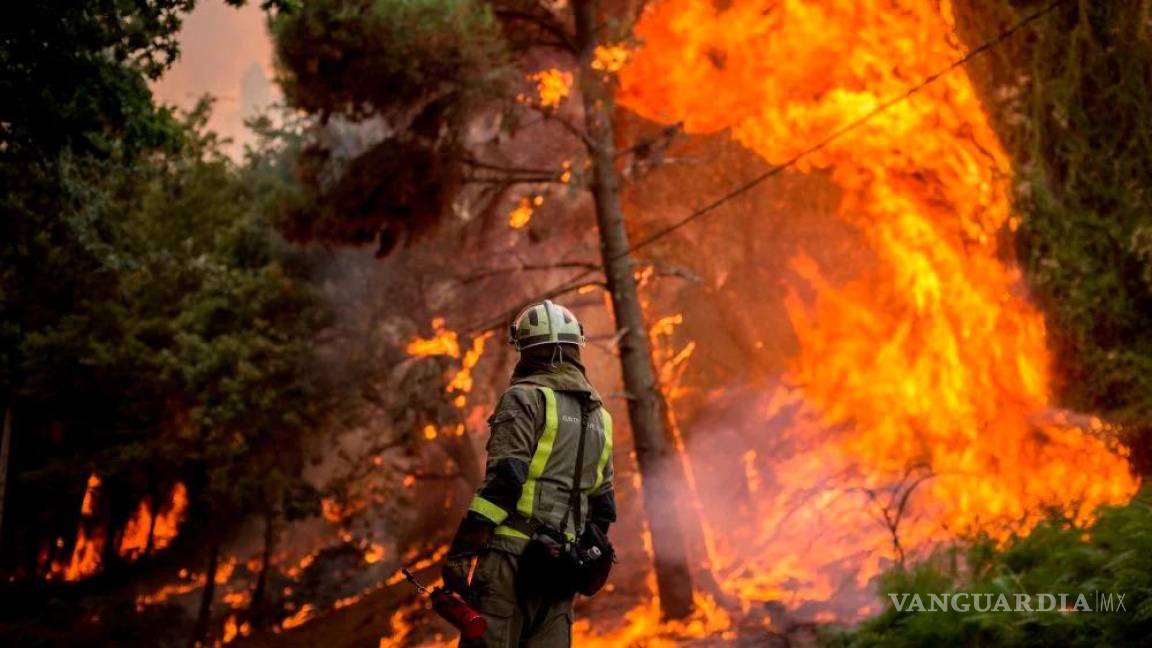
{"x": 471, "y": 538}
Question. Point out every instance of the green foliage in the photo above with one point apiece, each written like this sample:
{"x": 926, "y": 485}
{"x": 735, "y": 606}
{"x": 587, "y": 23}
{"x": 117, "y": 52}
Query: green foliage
{"x": 170, "y": 337}
{"x": 154, "y": 327}
{"x": 235, "y": 337}
{"x": 1086, "y": 231}
{"x": 420, "y": 68}
{"x": 357, "y": 58}
{"x": 73, "y": 75}
{"x": 1113, "y": 555}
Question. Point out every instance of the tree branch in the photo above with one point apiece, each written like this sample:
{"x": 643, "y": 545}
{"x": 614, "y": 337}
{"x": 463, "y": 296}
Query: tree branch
{"x": 568, "y": 126}
{"x": 484, "y": 274}
{"x": 545, "y": 22}
{"x": 661, "y": 141}
{"x": 501, "y": 321}
{"x": 511, "y": 180}
{"x": 491, "y": 166}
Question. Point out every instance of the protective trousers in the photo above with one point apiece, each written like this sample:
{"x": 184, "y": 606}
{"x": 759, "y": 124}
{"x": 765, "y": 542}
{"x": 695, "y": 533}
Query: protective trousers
{"x": 516, "y": 618}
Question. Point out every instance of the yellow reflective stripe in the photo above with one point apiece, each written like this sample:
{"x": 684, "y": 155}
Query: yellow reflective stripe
{"x": 543, "y": 452}
{"x": 606, "y": 452}
{"x": 510, "y": 532}
{"x": 488, "y": 509}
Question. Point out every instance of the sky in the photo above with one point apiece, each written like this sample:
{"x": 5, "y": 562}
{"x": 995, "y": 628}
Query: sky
{"x": 225, "y": 52}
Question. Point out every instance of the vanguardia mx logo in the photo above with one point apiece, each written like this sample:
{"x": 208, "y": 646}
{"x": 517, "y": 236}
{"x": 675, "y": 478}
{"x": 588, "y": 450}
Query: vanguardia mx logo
{"x": 1096, "y": 602}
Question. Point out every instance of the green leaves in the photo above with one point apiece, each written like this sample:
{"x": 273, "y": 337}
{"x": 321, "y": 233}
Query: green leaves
{"x": 357, "y": 58}
{"x": 73, "y": 76}
{"x": 408, "y": 75}
{"x": 1087, "y": 212}
{"x": 160, "y": 330}
{"x": 1112, "y": 556}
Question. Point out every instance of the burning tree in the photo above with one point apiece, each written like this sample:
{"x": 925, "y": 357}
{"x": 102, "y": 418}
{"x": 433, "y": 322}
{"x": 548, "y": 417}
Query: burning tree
{"x": 435, "y": 74}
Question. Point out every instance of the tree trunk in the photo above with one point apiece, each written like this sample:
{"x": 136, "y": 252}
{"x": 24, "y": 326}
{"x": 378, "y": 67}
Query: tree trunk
{"x": 202, "y": 635}
{"x": 152, "y": 523}
{"x": 256, "y": 607}
{"x": 5, "y": 448}
{"x": 660, "y": 470}
{"x": 154, "y": 507}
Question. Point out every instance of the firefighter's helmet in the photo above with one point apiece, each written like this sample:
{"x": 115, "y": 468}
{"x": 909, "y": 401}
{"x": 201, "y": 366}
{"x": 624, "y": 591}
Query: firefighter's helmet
{"x": 545, "y": 323}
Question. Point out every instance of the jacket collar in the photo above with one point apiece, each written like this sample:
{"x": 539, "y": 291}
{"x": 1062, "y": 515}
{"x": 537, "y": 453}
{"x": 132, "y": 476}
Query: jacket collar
{"x": 562, "y": 377}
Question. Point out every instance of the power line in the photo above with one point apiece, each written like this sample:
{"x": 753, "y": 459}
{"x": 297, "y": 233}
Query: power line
{"x": 577, "y": 280}
{"x": 843, "y": 130}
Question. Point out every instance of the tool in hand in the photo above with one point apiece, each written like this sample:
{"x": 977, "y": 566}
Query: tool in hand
{"x": 452, "y": 608}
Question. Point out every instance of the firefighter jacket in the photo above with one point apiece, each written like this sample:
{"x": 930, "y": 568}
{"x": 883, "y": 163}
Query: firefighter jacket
{"x": 532, "y": 452}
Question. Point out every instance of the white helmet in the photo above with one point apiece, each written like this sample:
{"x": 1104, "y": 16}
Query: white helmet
{"x": 545, "y": 323}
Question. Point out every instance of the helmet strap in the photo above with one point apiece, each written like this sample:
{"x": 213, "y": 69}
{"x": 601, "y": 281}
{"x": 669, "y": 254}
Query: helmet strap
{"x": 557, "y": 356}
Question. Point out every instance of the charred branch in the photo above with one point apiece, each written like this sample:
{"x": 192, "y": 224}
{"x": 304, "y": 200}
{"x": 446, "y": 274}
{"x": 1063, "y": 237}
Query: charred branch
{"x": 573, "y": 129}
{"x": 891, "y": 511}
{"x": 501, "y": 321}
{"x": 658, "y": 143}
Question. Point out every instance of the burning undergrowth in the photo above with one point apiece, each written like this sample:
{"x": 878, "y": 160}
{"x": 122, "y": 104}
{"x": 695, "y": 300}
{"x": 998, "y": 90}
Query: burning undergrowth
{"x": 915, "y": 408}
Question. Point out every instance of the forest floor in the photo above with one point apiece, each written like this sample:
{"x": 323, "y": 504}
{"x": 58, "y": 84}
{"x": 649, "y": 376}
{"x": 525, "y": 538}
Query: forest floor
{"x": 395, "y": 616}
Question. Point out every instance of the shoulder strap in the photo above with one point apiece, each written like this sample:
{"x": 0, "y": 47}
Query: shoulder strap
{"x": 574, "y": 494}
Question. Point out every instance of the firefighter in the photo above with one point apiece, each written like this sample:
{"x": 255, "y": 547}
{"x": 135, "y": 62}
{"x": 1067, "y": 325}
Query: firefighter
{"x": 533, "y": 456}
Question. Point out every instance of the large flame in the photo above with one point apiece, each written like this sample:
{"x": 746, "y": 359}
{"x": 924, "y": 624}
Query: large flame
{"x": 923, "y": 382}
{"x": 917, "y": 408}
{"x": 89, "y": 543}
{"x": 143, "y": 532}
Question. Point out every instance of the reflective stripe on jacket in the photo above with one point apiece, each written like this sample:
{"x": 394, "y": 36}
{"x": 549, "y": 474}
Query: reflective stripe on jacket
{"x": 535, "y": 432}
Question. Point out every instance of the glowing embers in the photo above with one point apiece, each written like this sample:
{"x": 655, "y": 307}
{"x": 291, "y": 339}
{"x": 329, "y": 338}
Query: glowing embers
{"x": 610, "y": 58}
{"x": 445, "y": 342}
{"x": 552, "y": 87}
{"x": 519, "y": 217}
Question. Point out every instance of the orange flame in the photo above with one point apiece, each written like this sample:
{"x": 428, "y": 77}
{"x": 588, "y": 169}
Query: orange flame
{"x": 519, "y": 217}
{"x": 231, "y": 629}
{"x": 444, "y": 342}
{"x": 929, "y": 362}
{"x": 642, "y": 627}
{"x": 163, "y": 529}
{"x": 188, "y": 583}
{"x": 425, "y": 563}
{"x": 552, "y": 86}
{"x": 374, "y": 553}
{"x": 89, "y": 545}
{"x": 462, "y": 381}
{"x": 447, "y": 343}
{"x": 926, "y": 376}
{"x": 401, "y": 626}
{"x": 610, "y": 58}
{"x": 302, "y": 616}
